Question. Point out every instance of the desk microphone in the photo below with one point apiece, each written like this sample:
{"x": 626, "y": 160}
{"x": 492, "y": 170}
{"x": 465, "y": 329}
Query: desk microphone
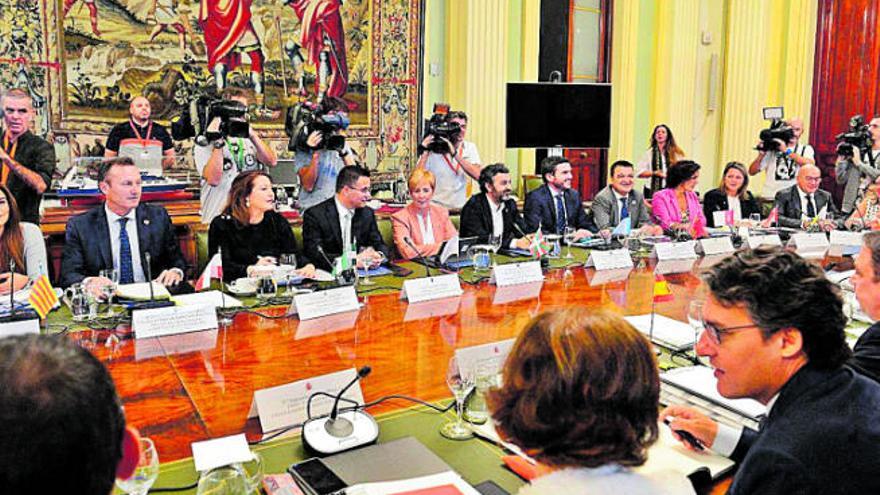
{"x": 13, "y": 316}
{"x": 339, "y": 432}
{"x": 348, "y": 278}
{"x": 326, "y": 258}
{"x": 410, "y": 243}
{"x": 152, "y": 303}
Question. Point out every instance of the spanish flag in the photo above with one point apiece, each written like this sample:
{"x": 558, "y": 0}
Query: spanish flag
{"x": 43, "y": 297}
{"x": 661, "y": 289}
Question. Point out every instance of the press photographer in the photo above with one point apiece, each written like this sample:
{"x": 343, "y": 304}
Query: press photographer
{"x": 227, "y": 146}
{"x": 857, "y": 159}
{"x": 781, "y": 155}
{"x": 316, "y": 135}
{"x": 445, "y": 153}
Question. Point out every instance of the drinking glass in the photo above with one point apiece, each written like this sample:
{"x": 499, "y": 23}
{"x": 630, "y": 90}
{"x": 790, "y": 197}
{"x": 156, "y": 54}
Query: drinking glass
{"x": 110, "y": 289}
{"x": 460, "y": 386}
{"x": 568, "y": 238}
{"x": 225, "y": 480}
{"x": 266, "y": 287}
{"x": 495, "y": 242}
{"x": 289, "y": 259}
{"x": 145, "y": 473}
{"x": 477, "y": 410}
{"x": 755, "y": 220}
{"x": 365, "y": 280}
{"x": 253, "y": 473}
{"x": 695, "y": 318}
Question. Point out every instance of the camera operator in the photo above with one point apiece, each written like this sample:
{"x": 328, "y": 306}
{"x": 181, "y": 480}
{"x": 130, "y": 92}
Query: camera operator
{"x": 317, "y": 165}
{"x": 782, "y": 164}
{"x": 458, "y": 160}
{"x": 220, "y": 161}
{"x": 853, "y": 169}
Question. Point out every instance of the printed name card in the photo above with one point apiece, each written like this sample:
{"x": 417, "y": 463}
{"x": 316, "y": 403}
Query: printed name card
{"x": 430, "y": 288}
{"x": 675, "y": 250}
{"x": 223, "y": 451}
{"x": 21, "y": 327}
{"x": 716, "y": 245}
{"x": 171, "y": 320}
{"x": 610, "y": 260}
{"x": 846, "y": 238}
{"x": 810, "y": 244}
{"x": 764, "y": 240}
{"x": 285, "y": 405}
{"x": 483, "y": 359}
{"x": 323, "y": 303}
{"x": 517, "y": 273}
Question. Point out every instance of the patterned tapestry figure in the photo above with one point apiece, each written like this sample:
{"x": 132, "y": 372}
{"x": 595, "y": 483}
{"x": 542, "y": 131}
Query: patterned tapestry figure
{"x": 323, "y": 38}
{"x": 229, "y": 33}
{"x": 93, "y": 13}
{"x": 165, "y": 15}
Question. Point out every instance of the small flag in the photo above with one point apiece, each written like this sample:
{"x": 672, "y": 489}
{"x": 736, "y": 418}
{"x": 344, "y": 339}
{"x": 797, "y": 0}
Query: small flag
{"x": 773, "y": 217}
{"x": 43, "y": 297}
{"x": 699, "y": 228}
{"x": 729, "y": 219}
{"x": 212, "y": 271}
{"x": 661, "y": 289}
{"x": 539, "y": 246}
{"x": 623, "y": 228}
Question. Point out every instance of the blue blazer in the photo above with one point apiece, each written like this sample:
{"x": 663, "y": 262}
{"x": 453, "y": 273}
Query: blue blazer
{"x": 822, "y": 436}
{"x": 866, "y": 353}
{"x": 87, "y": 243}
{"x": 541, "y": 209}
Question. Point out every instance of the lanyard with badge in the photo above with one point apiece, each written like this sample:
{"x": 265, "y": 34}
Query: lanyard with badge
{"x": 9, "y": 151}
{"x": 138, "y": 134}
{"x": 457, "y": 167}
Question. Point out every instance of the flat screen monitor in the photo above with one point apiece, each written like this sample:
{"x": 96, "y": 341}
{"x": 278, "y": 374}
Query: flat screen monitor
{"x": 550, "y": 115}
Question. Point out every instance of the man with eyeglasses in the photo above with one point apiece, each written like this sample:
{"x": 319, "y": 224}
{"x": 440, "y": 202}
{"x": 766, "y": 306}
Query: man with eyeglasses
{"x": 28, "y": 161}
{"x": 344, "y": 223}
{"x": 804, "y": 205}
{"x": 866, "y": 280}
{"x": 773, "y": 331}
{"x": 452, "y": 168}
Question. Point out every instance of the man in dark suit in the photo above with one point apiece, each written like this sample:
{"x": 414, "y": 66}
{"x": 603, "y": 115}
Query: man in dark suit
{"x": 773, "y": 332}
{"x": 344, "y": 222}
{"x": 555, "y": 205}
{"x": 802, "y": 203}
{"x": 619, "y": 200}
{"x": 119, "y": 234}
{"x": 866, "y": 353}
{"x": 493, "y": 212}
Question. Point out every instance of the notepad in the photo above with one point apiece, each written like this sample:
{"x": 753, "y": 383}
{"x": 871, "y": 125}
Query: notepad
{"x": 701, "y": 381}
{"x": 669, "y": 333}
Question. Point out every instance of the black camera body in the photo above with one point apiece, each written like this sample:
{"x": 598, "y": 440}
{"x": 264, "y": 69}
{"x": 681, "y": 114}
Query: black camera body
{"x": 857, "y": 136}
{"x": 778, "y": 130}
{"x": 440, "y": 128}
{"x": 194, "y": 121}
{"x": 305, "y": 118}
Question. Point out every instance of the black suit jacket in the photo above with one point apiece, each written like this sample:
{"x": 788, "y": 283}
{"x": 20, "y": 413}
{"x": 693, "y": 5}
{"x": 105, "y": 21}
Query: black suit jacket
{"x": 37, "y": 155}
{"x": 476, "y": 220}
{"x": 789, "y": 203}
{"x": 866, "y": 353}
{"x": 321, "y": 228}
{"x": 822, "y": 436}
{"x": 87, "y": 243}
{"x": 540, "y": 209}
{"x": 716, "y": 200}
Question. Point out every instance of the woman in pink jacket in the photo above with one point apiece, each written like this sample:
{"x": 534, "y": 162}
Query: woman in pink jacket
{"x": 677, "y": 208}
{"x": 425, "y": 224}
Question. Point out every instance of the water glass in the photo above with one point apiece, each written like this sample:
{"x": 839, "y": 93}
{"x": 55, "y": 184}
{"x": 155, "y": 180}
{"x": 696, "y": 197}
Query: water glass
{"x": 477, "y": 410}
{"x": 755, "y": 220}
{"x": 695, "y": 318}
{"x": 253, "y": 473}
{"x": 225, "y": 480}
{"x": 481, "y": 255}
{"x": 110, "y": 289}
{"x": 289, "y": 261}
{"x": 568, "y": 238}
{"x": 266, "y": 287}
{"x": 145, "y": 473}
{"x": 461, "y": 386}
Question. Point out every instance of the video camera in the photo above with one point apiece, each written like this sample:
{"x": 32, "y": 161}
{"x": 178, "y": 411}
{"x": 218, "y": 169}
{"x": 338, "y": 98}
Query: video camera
{"x": 778, "y": 129}
{"x": 441, "y": 128}
{"x": 305, "y": 118}
{"x": 857, "y": 136}
{"x": 232, "y": 115}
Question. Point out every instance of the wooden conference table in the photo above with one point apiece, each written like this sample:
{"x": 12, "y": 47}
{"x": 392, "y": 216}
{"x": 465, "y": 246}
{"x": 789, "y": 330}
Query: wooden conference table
{"x": 192, "y": 387}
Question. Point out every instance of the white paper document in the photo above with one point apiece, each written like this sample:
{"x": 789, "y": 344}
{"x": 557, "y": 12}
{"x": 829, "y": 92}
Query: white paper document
{"x": 141, "y": 291}
{"x": 670, "y": 333}
{"x": 701, "y": 381}
{"x": 210, "y": 454}
{"x": 453, "y": 482}
{"x": 212, "y": 298}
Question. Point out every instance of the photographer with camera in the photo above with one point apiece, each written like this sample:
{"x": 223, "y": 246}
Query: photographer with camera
{"x": 445, "y": 153}
{"x": 223, "y": 155}
{"x": 858, "y": 165}
{"x": 321, "y": 151}
{"x": 781, "y": 157}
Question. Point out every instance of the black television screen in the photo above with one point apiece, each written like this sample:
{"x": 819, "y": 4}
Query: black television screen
{"x": 549, "y": 115}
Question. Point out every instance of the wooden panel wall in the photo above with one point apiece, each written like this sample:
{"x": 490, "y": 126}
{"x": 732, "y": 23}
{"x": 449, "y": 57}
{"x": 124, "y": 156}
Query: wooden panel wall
{"x": 846, "y": 81}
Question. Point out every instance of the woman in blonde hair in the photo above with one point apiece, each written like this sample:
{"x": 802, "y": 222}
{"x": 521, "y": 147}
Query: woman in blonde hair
{"x": 425, "y": 224}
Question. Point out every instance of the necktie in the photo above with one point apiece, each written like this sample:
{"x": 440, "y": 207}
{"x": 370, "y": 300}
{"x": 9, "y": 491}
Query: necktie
{"x": 346, "y": 232}
{"x": 561, "y": 221}
{"x": 126, "y": 271}
{"x": 624, "y": 211}
{"x": 811, "y": 208}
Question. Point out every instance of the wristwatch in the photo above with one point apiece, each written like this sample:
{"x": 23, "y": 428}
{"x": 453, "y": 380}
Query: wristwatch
{"x": 218, "y": 144}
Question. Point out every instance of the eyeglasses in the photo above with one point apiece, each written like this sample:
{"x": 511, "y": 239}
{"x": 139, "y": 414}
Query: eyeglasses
{"x": 714, "y": 333}
{"x": 363, "y": 190}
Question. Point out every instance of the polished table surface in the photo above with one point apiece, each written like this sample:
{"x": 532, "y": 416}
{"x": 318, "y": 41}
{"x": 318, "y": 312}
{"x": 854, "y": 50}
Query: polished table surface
{"x": 192, "y": 387}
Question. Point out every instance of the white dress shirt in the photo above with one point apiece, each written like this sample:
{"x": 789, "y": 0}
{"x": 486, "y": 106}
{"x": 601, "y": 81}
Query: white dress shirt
{"x": 134, "y": 242}
{"x": 426, "y": 227}
{"x": 803, "y": 196}
{"x": 734, "y": 204}
{"x": 728, "y": 436}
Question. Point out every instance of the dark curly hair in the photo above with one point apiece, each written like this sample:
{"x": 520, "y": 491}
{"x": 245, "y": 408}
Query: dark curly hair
{"x": 680, "y": 172}
{"x": 779, "y": 289}
{"x": 580, "y": 389}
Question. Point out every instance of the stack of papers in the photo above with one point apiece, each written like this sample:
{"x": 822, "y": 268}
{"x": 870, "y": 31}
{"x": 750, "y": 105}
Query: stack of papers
{"x": 697, "y": 386}
{"x": 667, "y": 332}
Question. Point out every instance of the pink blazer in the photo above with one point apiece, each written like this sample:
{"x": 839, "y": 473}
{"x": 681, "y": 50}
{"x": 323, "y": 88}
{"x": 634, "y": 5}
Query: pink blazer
{"x": 406, "y": 223}
{"x": 666, "y": 212}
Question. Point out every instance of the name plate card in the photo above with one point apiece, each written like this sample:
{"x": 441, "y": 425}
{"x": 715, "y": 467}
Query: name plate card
{"x": 517, "y": 273}
{"x": 430, "y": 288}
{"x": 813, "y": 244}
{"x": 21, "y": 327}
{"x": 764, "y": 240}
{"x": 223, "y": 451}
{"x": 323, "y": 303}
{"x": 675, "y": 250}
{"x": 483, "y": 359}
{"x": 610, "y": 260}
{"x": 846, "y": 238}
{"x": 716, "y": 245}
{"x": 172, "y": 320}
{"x": 285, "y": 405}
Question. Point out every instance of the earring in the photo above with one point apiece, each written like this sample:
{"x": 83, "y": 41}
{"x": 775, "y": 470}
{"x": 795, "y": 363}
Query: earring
{"x": 247, "y": 203}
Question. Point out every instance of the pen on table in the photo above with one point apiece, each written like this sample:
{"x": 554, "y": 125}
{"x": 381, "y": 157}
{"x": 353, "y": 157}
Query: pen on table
{"x": 686, "y": 436}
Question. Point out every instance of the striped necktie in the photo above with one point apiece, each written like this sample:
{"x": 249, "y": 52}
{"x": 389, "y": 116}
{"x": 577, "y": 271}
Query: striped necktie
{"x": 126, "y": 269}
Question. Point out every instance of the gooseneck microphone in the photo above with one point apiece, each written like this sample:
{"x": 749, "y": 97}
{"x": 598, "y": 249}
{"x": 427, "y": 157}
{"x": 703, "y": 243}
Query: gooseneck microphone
{"x": 152, "y": 303}
{"x": 326, "y": 258}
{"x": 341, "y": 431}
{"x": 421, "y": 256}
{"x": 11, "y": 289}
{"x": 149, "y": 275}
{"x": 334, "y": 413}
